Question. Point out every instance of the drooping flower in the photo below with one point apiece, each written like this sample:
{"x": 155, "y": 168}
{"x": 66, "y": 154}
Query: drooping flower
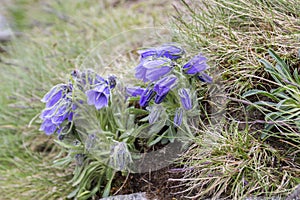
{"x": 196, "y": 65}
{"x": 178, "y": 117}
{"x": 55, "y": 94}
{"x": 112, "y": 81}
{"x": 185, "y": 98}
{"x": 62, "y": 113}
{"x": 98, "y": 96}
{"x": 54, "y": 116}
{"x": 163, "y": 86}
{"x": 58, "y": 108}
{"x": 48, "y": 127}
{"x": 134, "y": 91}
{"x": 152, "y": 70}
{"x": 146, "y": 97}
{"x": 205, "y": 78}
{"x": 170, "y": 51}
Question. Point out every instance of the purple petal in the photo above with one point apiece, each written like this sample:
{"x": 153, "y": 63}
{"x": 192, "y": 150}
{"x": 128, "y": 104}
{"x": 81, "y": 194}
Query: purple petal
{"x": 185, "y": 98}
{"x": 196, "y": 65}
{"x": 146, "y": 96}
{"x": 48, "y": 127}
{"x": 91, "y": 97}
{"x": 101, "y": 101}
{"x": 156, "y": 73}
{"x": 164, "y": 85}
{"x": 134, "y": 91}
{"x": 178, "y": 117}
{"x": 54, "y": 99}
{"x": 159, "y": 99}
{"x": 205, "y": 78}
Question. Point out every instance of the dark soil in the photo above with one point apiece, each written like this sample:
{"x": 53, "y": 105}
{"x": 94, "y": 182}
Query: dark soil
{"x": 156, "y": 184}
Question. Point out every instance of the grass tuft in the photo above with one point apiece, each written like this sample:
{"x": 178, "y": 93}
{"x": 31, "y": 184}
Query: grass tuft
{"x": 235, "y": 33}
{"x": 233, "y": 164}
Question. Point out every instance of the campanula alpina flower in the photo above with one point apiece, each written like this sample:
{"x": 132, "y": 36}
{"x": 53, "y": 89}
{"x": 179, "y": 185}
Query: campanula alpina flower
{"x": 205, "y": 78}
{"x": 152, "y": 70}
{"x": 178, "y": 117}
{"x": 167, "y": 50}
{"x": 54, "y": 116}
{"x": 146, "y": 97}
{"x": 98, "y": 96}
{"x": 196, "y": 65}
{"x": 48, "y": 127}
{"x": 134, "y": 91}
{"x": 55, "y": 94}
{"x": 185, "y": 98}
{"x": 58, "y": 108}
{"x": 62, "y": 113}
{"x": 112, "y": 81}
{"x": 164, "y": 85}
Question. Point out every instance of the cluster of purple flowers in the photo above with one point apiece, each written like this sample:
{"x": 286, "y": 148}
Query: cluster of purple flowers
{"x": 156, "y": 68}
{"x": 60, "y": 106}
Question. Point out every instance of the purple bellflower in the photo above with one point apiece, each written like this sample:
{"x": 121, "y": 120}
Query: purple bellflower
{"x": 185, "y": 98}
{"x": 163, "y": 86}
{"x": 146, "y": 97}
{"x": 112, "y": 81}
{"x": 196, "y": 65}
{"x": 58, "y": 108}
{"x": 170, "y": 51}
{"x": 205, "y": 78}
{"x": 134, "y": 91}
{"x": 178, "y": 117}
{"x": 98, "y": 95}
{"x": 152, "y": 70}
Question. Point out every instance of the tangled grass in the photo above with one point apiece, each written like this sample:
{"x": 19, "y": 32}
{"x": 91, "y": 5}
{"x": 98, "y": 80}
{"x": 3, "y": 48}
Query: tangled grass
{"x": 235, "y": 33}
{"x": 235, "y": 159}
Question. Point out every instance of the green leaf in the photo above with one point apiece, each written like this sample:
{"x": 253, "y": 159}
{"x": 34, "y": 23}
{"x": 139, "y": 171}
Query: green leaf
{"x": 157, "y": 139}
{"x": 260, "y": 92}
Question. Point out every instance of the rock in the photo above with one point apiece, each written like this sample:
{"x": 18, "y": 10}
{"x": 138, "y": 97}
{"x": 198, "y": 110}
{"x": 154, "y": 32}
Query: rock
{"x": 5, "y": 31}
{"x": 135, "y": 196}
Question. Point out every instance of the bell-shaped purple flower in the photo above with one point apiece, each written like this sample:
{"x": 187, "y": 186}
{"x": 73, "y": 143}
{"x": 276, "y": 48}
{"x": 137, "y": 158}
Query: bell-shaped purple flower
{"x": 205, "y": 78}
{"x": 159, "y": 98}
{"x": 164, "y": 85}
{"x": 196, "y": 65}
{"x": 152, "y": 70}
{"x": 54, "y": 116}
{"x": 48, "y": 127}
{"x": 62, "y": 113}
{"x": 146, "y": 97}
{"x": 178, "y": 117}
{"x": 185, "y": 98}
{"x": 171, "y": 51}
{"x": 112, "y": 81}
{"x": 98, "y": 96}
{"x": 55, "y": 95}
{"x": 134, "y": 91}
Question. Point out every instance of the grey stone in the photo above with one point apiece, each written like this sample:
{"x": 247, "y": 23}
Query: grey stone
{"x": 135, "y": 196}
{"x": 5, "y": 31}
